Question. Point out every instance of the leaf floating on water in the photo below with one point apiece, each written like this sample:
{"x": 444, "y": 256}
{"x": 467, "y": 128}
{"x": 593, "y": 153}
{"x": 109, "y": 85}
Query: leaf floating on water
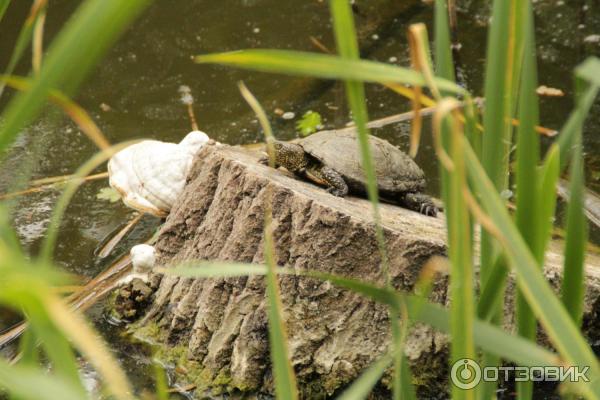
{"x": 549, "y": 91}
{"x": 108, "y": 194}
{"x": 309, "y": 123}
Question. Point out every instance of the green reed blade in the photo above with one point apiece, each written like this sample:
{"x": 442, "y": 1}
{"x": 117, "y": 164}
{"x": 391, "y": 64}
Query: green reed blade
{"x": 363, "y": 385}
{"x": 461, "y": 290}
{"x": 285, "y": 380}
{"x": 499, "y": 90}
{"x": 161, "y": 386}
{"x": 547, "y": 178}
{"x": 3, "y": 6}
{"x": 487, "y": 336}
{"x": 573, "y": 284}
{"x": 321, "y": 66}
{"x": 67, "y": 195}
{"x": 589, "y": 71}
{"x": 22, "y": 292}
{"x": 23, "y": 41}
{"x": 443, "y": 54}
{"x": 444, "y": 68}
{"x": 563, "y": 333}
{"x": 528, "y": 218}
{"x": 78, "y": 47}
{"x": 28, "y": 349}
{"x": 347, "y": 46}
{"x": 28, "y": 383}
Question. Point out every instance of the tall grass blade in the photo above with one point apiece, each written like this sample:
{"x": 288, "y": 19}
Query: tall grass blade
{"x": 364, "y": 384}
{"x": 24, "y": 38}
{"x": 547, "y": 179}
{"x": 55, "y": 345}
{"x": 444, "y": 67}
{"x": 498, "y": 90}
{"x": 72, "y": 109}
{"x": 3, "y": 6}
{"x": 162, "y": 389}
{"x": 347, "y": 46}
{"x": 285, "y": 380}
{"x": 462, "y": 306}
{"x": 488, "y": 337}
{"x": 321, "y": 66}
{"x": 345, "y": 35}
{"x": 563, "y": 333}
{"x": 74, "y": 327}
{"x": 21, "y": 290}
{"x": 573, "y": 284}
{"x": 37, "y": 45}
{"x": 588, "y": 71}
{"x": 196, "y": 269}
{"x": 78, "y": 47}
{"x": 8, "y": 237}
{"x": 28, "y": 350}
{"x": 528, "y": 218}
{"x": 491, "y": 295}
{"x": 29, "y": 383}
{"x": 65, "y": 198}
{"x": 443, "y": 54}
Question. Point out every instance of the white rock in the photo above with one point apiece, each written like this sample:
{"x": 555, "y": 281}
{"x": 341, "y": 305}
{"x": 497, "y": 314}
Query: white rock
{"x": 592, "y": 39}
{"x": 143, "y": 258}
{"x": 151, "y": 174}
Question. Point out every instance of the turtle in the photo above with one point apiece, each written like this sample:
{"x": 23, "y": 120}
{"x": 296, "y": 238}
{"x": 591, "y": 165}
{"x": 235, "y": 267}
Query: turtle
{"x": 332, "y": 159}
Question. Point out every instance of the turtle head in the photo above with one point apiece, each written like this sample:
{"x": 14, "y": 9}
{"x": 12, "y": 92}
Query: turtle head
{"x": 290, "y": 155}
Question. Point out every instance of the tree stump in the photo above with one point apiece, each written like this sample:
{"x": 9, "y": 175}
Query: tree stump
{"x": 218, "y": 327}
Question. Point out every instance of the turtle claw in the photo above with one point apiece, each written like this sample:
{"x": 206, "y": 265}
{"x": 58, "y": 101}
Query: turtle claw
{"x": 419, "y": 202}
{"x": 429, "y": 210}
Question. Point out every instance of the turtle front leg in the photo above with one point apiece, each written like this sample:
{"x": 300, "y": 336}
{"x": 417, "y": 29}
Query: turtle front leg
{"x": 419, "y": 202}
{"x": 335, "y": 183}
{"x": 264, "y": 160}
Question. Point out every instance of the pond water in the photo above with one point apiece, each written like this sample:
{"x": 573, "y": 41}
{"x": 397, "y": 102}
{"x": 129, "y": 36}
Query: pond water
{"x": 133, "y": 93}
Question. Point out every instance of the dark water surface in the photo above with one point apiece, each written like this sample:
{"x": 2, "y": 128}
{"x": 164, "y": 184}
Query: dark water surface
{"x": 140, "y": 77}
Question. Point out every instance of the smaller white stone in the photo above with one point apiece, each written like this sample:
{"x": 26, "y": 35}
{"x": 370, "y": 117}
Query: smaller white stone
{"x": 256, "y": 30}
{"x": 375, "y": 36}
{"x": 288, "y": 115}
{"x": 143, "y": 258}
{"x": 393, "y": 59}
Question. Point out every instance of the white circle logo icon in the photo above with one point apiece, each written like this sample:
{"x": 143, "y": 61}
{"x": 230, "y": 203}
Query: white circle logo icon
{"x": 465, "y": 374}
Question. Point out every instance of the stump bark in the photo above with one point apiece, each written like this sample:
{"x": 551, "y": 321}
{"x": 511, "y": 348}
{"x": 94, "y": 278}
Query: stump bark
{"x": 218, "y": 327}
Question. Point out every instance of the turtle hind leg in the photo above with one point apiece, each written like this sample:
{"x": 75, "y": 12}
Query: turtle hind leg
{"x": 419, "y": 202}
{"x": 336, "y": 185}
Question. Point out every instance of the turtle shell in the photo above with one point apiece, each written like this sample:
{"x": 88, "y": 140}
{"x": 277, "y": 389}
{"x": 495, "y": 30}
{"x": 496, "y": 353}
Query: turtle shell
{"x": 396, "y": 172}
